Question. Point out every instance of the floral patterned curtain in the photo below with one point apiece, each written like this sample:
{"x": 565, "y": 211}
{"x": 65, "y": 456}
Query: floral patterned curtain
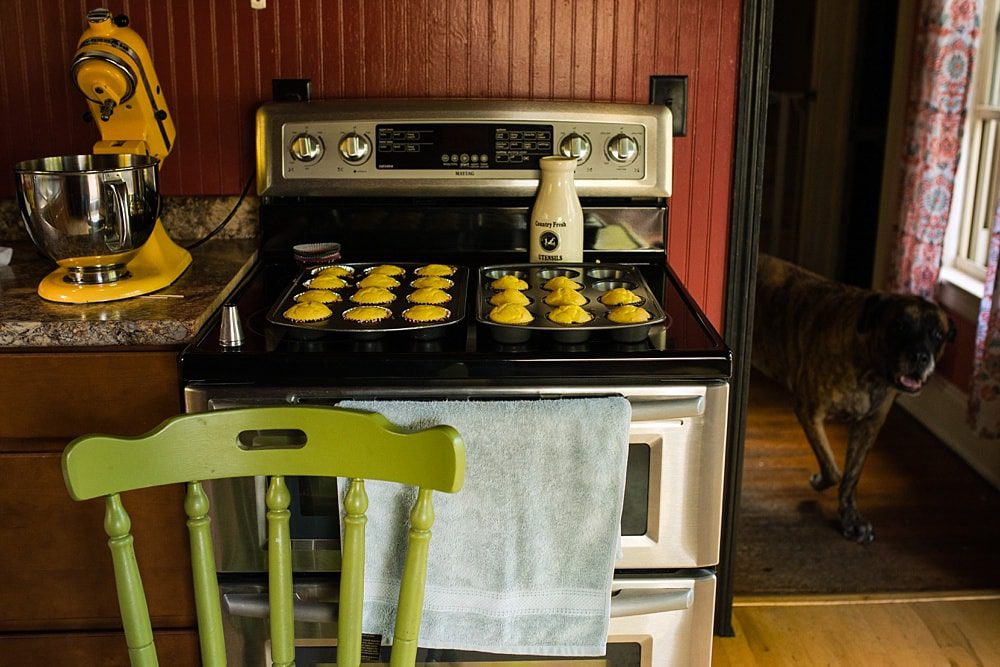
{"x": 944, "y": 49}
{"x": 984, "y": 399}
{"x": 939, "y": 83}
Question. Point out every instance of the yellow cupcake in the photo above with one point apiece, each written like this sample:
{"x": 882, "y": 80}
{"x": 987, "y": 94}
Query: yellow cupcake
{"x": 319, "y": 296}
{"x": 388, "y": 270}
{"x": 570, "y": 315}
{"x": 336, "y": 271}
{"x": 510, "y": 313}
{"x": 429, "y": 295}
{"x": 326, "y": 282}
{"x": 509, "y": 296}
{"x": 562, "y": 282}
{"x": 565, "y": 296}
{"x": 432, "y": 281}
{"x": 619, "y": 296}
{"x": 378, "y": 280}
{"x": 308, "y": 311}
{"x": 367, "y": 314}
{"x": 435, "y": 270}
{"x": 425, "y": 313}
{"x": 510, "y": 281}
{"x": 373, "y": 295}
{"x": 629, "y": 315}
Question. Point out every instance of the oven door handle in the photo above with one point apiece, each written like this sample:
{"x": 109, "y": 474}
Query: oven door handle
{"x": 643, "y": 601}
{"x": 251, "y": 605}
{"x": 681, "y": 407}
{"x": 627, "y": 602}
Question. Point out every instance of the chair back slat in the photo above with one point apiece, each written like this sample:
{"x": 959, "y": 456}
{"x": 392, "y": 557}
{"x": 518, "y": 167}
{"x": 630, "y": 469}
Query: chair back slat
{"x": 131, "y": 596}
{"x": 352, "y": 575}
{"x": 272, "y": 442}
{"x": 203, "y": 446}
{"x": 206, "y": 582}
{"x": 279, "y": 573}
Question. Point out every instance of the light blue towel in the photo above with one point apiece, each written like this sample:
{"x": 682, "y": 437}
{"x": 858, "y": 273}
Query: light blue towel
{"x": 521, "y": 559}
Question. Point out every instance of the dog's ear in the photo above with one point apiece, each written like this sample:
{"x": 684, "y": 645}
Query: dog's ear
{"x": 952, "y": 330}
{"x": 871, "y": 312}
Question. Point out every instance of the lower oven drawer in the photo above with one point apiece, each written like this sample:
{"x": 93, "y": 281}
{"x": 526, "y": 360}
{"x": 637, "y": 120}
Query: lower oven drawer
{"x": 673, "y": 489}
{"x": 655, "y": 622}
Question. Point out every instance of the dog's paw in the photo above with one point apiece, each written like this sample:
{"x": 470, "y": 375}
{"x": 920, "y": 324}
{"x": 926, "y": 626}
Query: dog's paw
{"x": 819, "y": 481}
{"x": 856, "y": 528}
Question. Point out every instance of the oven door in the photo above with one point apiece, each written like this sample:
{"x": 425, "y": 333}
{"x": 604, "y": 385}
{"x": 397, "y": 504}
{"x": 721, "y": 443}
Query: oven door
{"x": 655, "y": 622}
{"x": 673, "y": 487}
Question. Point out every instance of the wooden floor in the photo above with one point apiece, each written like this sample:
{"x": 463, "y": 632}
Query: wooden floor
{"x": 904, "y": 632}
{"x": 926, "y": 592}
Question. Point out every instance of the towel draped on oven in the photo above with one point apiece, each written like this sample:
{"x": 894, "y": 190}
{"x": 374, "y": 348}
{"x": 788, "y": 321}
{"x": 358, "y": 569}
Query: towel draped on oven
{"x": 521, "y": 559}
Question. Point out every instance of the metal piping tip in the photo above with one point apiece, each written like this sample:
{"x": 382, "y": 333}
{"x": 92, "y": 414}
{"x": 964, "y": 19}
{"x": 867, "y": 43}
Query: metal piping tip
{"x": 231, "y": 331}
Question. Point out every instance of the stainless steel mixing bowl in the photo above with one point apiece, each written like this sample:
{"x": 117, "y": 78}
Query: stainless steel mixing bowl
{"x": 89, "y": 213}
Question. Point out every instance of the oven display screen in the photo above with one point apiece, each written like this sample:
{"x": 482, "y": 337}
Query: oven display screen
{"x": 462, "y": 146}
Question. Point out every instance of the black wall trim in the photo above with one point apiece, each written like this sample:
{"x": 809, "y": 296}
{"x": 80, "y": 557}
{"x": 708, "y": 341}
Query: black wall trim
{"x": 744, "y": 229}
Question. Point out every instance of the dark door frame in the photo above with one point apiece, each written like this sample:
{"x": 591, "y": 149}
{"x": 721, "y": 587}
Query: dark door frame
{"x": 744, "y": 229}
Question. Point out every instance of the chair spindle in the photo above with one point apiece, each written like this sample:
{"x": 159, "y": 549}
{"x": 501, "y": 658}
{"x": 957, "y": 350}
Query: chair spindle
{"x": 131, "y": 597}
{"x": 352, "y": 579}
{"x": 411, "y": 591}
{"x": 206, "y": 583}
{"x": 279, "y": 573}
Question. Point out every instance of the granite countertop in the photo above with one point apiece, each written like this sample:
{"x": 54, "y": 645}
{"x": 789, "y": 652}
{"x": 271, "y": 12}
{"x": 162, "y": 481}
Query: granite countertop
{"x": 172, "y": 316}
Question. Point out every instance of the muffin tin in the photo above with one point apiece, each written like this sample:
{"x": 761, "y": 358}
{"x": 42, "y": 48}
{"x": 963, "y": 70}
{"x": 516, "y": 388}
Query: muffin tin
{"x": 336, "y": 324}
{"x": 595, "y": 279}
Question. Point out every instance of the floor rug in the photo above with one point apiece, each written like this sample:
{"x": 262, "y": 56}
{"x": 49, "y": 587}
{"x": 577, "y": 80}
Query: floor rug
{"x": 936, "y": 521}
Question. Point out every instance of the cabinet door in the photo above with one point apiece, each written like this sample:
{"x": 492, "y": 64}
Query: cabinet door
{"x": 67, "y": 394}
{"x": 55, "y": 560}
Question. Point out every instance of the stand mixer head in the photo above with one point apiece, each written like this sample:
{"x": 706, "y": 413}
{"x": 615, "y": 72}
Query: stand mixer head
{"x": 113, "y": 69}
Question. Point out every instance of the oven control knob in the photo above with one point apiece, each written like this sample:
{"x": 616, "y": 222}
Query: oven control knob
{"x": 306, "y": 148}
{"x": 622, "y": 148}
{"x": 355, "y": 148}
{"x": 575, "y": 145}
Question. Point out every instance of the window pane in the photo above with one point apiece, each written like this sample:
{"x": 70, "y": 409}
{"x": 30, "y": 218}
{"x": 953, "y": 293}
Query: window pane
{"x": 993, "y": 98}
{"x": 984, "y": 199}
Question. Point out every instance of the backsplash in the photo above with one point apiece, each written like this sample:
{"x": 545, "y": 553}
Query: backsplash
{"x": 184, "y": 218}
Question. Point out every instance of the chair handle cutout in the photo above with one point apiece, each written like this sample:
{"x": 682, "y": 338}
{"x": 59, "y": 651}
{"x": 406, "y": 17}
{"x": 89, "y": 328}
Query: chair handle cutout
{"x": 273, "y": 438}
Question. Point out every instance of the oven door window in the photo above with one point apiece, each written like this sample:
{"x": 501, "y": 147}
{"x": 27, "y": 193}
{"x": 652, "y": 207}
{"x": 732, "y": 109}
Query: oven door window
{"x": 315, "y": 508}
{"x": 626, "y": 654}
{"x": 635, "y": 510}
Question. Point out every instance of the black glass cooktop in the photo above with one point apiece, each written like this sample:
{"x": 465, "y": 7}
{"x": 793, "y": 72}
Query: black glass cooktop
{"x": 687, "y": 349}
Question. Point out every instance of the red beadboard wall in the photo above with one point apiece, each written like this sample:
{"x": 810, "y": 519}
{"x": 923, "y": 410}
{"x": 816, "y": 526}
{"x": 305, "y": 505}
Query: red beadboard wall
{"x": 216, "y": 60}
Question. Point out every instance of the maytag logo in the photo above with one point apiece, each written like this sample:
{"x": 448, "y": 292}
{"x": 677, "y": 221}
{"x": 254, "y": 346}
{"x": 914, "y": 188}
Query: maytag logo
{"x": 465, "y": 173}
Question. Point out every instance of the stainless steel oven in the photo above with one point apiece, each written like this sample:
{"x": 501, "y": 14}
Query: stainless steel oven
{"x": 673, "y": 486}
{"x": 377, "y": 177}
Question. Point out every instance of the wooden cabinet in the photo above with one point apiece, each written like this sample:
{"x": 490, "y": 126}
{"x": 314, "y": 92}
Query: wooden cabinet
{"x": 58, "y": 597}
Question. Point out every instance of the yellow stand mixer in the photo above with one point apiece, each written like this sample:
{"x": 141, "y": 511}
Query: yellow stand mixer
{"x": 113, "y": 69}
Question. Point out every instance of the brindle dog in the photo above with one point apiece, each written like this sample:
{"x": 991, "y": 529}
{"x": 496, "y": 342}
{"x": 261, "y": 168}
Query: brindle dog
{"x": 845, "y": 353}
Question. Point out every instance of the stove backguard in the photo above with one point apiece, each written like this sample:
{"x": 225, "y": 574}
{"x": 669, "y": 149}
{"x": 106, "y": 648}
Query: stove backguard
{"x": 452, "y": 180}
{"x": 468, "y": 232}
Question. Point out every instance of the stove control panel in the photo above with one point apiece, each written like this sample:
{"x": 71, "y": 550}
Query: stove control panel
{"x": 459, "y": 147}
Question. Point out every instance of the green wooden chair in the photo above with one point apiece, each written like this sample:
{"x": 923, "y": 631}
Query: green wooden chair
{"x": 271, "y": 441}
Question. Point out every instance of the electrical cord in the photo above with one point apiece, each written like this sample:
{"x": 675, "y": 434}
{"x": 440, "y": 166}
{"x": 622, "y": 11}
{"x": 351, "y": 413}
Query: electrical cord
{"x": 226, "y": 220}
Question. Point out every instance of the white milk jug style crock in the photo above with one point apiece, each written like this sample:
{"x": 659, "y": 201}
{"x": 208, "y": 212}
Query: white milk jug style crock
{"x": 556, "y": 226}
